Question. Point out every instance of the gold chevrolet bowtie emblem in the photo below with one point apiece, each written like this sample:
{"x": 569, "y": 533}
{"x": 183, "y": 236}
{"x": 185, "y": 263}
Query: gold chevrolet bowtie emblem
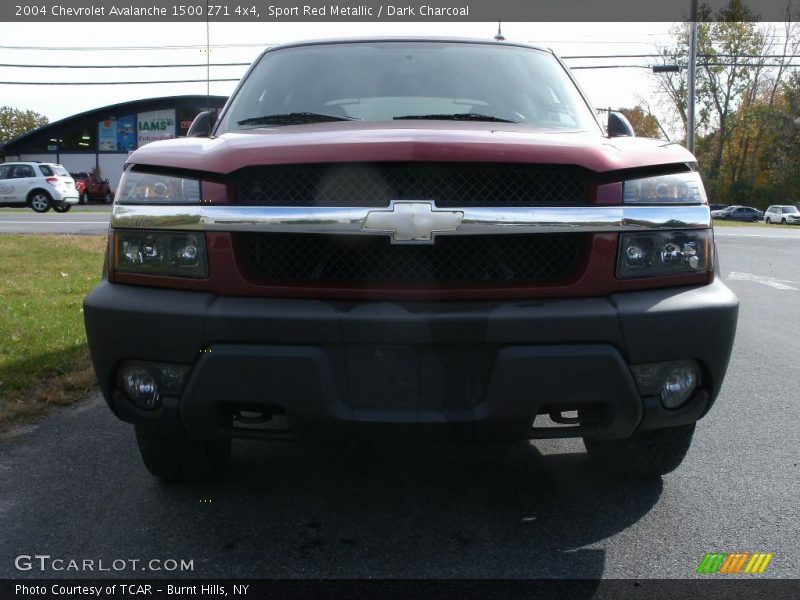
{"x": 412, "y": 222}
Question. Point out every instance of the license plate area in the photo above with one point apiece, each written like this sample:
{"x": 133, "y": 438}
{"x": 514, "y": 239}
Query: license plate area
{"x": 418, "y": 377}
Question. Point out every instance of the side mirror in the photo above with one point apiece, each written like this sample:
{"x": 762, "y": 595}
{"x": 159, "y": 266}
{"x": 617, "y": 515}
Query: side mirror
{"x": 202, "y": 124}
{"x": 619, "y": 126}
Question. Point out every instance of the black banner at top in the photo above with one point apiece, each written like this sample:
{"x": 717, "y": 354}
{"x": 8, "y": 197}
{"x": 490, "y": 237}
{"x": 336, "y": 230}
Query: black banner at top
{"x": 377, "y": 10}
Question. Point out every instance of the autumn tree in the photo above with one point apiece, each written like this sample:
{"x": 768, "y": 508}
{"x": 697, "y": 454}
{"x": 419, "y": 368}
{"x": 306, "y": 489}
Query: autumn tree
{"x": 740, "y": 68}
{"x": 777, "y": 170}
{"x": 644, "y": 123}
{"x": 15, "y": 122}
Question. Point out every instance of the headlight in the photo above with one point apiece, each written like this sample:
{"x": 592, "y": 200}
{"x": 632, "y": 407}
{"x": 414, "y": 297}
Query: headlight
{"x": 173, "y": 254}
{"x": 661, "y": 253}
{"x": 679, "y": 188}
{"x": 149, "y": 188}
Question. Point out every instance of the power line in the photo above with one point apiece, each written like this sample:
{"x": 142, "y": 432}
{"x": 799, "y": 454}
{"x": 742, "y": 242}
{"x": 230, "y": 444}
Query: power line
{"x": 611, "y": 67}
{"x": 720, "y": 55}
{"x": 112, "y": 82}
{"x": 106, "y": 48}
{"x": 577, "y": 67}
{"x": 698, "y": 64}
{"x": 175, "y": 66}
{"x": 246, "y": 64}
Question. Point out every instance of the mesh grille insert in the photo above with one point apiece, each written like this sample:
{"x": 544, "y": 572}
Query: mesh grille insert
{"x": 376, "y": 184}
{"x": 452, "y": 259}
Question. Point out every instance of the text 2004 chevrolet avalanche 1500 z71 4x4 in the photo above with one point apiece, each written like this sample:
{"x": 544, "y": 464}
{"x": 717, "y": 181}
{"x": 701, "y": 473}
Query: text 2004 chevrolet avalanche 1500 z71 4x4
{"x": 421, "y": 238}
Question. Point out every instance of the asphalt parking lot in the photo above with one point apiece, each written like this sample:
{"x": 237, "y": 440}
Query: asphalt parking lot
{"x": 80, "y": 220}
{"x": 74, "y": 487}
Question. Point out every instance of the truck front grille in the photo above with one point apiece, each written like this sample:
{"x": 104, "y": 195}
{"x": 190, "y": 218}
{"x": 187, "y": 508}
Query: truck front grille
{"x": 376, "y": 184}
{"x": 500, "y": 259}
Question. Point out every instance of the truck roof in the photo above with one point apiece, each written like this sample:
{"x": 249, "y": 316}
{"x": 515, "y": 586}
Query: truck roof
{"x": 379, "y": 39}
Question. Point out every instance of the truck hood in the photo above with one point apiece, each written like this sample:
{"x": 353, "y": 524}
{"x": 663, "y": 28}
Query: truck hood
{"x": 408, "y": 141}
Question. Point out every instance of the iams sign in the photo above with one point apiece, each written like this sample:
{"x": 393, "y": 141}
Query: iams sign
{"x": 163, "y": 125}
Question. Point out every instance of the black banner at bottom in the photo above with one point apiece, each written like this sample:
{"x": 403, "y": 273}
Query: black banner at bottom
{"x": 390, "y": 589}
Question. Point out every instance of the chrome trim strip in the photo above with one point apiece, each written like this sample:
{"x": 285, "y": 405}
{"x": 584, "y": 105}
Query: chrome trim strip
{"x": 351, "y": 221}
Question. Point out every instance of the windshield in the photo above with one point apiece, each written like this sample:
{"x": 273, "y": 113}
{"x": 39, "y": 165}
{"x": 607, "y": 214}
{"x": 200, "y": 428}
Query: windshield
{"x": 385, "y": 81}
{"x": 790, "y": 209}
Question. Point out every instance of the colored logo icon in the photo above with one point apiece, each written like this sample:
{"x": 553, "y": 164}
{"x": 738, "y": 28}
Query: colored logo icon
{"x": 735, "y": 563}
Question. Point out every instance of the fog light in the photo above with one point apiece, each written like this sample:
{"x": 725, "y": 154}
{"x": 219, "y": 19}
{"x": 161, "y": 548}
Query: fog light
{"x": 145, "y": 382}
{"x": 680, "y": 381}
{"x": 141, "y": 387}
{"x": 674, "y": 382}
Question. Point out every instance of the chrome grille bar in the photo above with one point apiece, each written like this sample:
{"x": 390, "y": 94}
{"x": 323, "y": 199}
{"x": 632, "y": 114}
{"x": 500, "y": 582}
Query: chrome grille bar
{"x": 353, "y": 221}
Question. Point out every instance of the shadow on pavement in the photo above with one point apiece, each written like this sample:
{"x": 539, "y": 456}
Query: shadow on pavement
{"x": 288, "y": 511}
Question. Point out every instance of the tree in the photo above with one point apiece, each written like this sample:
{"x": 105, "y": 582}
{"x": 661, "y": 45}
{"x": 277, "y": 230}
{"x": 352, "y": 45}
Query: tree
{"x": 645, "y": 124}
{"x": 740, "y": 67}
{"x": 777, "y": 169}
{"x": 15, "y": 122}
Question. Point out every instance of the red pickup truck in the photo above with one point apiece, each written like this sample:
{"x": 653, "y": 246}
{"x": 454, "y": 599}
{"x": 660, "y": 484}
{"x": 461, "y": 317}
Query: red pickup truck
{"x": 91, "y": 187}
{"x": 406, "y": 238}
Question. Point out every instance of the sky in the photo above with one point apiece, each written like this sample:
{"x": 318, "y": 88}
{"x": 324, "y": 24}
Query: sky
{"x": 242, "y": 42}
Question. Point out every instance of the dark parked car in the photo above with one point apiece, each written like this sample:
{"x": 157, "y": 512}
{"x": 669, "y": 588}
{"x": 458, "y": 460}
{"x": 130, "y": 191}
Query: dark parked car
{"x": 746, "y": 214}
{"x": 425, "y": 239}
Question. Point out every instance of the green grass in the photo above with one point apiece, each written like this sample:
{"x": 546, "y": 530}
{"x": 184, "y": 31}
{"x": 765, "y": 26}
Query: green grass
{"x": 720, "y": 223}
{"x": 44, "y": 360}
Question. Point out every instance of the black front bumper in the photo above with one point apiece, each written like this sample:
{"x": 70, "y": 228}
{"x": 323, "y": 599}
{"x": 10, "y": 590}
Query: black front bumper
{"x": 462, "y": 370}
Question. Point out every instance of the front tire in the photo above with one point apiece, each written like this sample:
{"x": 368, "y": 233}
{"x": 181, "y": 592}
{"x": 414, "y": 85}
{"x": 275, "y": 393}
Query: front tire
{"x": 176, "y": 457}
{"x": 783, "y": 221}
{"x": 644, "y": 455}
{"x": 40, "y": 202}
{"x": 109, "y": 198}
{"x": 768, "y": 221}
{"x": 85, "y": 198}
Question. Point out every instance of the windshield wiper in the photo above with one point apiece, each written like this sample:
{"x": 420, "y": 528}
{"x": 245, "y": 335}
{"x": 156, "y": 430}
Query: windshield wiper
{"x": 457, "y": 117}
{"x": 294, "y": 118}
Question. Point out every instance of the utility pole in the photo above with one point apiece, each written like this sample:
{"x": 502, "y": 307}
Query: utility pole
{"x": 692, "y": 80}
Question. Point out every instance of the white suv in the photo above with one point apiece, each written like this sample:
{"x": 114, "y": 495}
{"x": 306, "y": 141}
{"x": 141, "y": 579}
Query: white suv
{"x": 785, "y": 214}
{"x": 39, "y": 185}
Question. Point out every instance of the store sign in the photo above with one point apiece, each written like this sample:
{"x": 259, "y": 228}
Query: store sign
{"x": 126, "y": 133}
{"x": 107, "y": 135}
{"x": 155, "y": 126}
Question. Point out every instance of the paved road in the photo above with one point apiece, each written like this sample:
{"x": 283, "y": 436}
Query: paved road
{"x": 74, "y": 487}
{"x": 80, "y": 220}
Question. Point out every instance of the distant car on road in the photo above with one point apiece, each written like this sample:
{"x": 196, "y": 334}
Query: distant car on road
{"x": 91, "y": 187}
{"x": 41, "y": 186}
{"x": 748, "y": 214}
{"x": 784, "y": 214}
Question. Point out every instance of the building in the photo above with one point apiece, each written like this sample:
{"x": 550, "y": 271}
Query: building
{"x": 100, "y": 140}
